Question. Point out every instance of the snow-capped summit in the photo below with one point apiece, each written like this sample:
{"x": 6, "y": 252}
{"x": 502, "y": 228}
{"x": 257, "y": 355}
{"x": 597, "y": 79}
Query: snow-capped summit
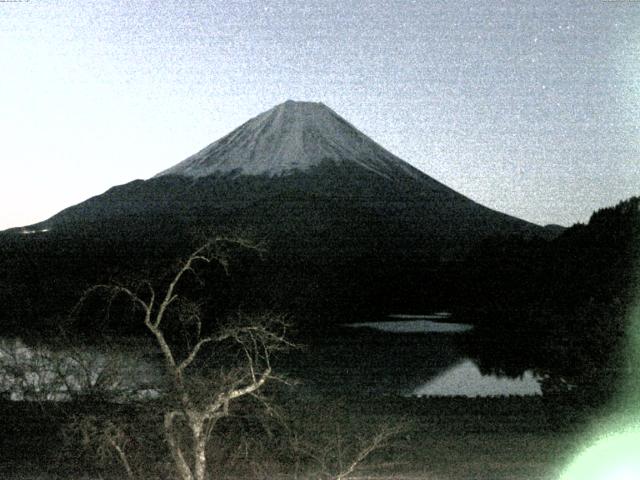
{"x": 291, "y": 136}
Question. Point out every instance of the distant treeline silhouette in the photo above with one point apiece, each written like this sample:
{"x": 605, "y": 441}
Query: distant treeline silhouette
{"x": 560, "y": 307}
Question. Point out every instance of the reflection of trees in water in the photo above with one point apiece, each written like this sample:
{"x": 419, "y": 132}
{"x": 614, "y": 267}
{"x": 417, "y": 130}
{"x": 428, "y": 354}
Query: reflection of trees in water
{"x": 465, "y": 379}
{"x": 583, "y": 351}
{"x": 40, "y": 372}
{"x": 561, "y": 307}
{"x": 371, "y": 362}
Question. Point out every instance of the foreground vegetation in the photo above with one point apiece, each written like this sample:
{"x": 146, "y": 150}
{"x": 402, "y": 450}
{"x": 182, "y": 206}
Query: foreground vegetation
{"x": 443, "y": 438}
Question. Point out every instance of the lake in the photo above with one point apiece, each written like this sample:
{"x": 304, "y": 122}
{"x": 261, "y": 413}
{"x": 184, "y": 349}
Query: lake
{"x": 402, "y": 354}
{"x": 422, "y": 355}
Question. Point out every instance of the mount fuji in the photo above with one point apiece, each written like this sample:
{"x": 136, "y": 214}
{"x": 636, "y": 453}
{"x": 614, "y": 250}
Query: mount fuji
{"x": 346, "y": 222}
{"x": 296, "y": 153}
{"x": 292, "y": 136}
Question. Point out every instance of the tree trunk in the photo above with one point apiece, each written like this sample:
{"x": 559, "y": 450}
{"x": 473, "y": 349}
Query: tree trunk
{"x": 181, "y": 464}
{"x": 200, "y": 449}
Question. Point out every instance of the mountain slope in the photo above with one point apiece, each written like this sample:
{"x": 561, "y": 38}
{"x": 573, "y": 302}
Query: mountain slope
{"x": 298, "y": 149}
{"x": 346, "y": 223}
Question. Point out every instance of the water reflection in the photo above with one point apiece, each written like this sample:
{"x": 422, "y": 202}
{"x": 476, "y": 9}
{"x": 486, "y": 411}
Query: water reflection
{"x": 414, "y": 326}
{"x": 410, "y": 355}
{"x": 465, "y": 379}
{"x": 434, "y": 357}
{"x": 411, "y": 316}
{"x": 39, "y": 372}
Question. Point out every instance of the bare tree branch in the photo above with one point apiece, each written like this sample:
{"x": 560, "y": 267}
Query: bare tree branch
{"x": 255, "y": 336}
{"x": 193, "y": 354}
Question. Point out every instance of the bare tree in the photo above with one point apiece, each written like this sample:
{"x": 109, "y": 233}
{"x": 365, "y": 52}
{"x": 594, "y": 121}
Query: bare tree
{"x": 106, "y": 436}
{"x": 338, "y": 454}
{"x": 210, "y": 368}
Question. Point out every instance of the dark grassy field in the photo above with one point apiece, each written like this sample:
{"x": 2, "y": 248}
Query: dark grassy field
{"x": 442, "y": 438}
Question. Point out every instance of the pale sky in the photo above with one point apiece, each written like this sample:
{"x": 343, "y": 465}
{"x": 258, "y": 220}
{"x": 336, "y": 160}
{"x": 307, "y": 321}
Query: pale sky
{"x": 528, "y": 107}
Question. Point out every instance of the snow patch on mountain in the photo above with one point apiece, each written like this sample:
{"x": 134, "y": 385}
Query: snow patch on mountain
{"x": 292, "y": 136}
